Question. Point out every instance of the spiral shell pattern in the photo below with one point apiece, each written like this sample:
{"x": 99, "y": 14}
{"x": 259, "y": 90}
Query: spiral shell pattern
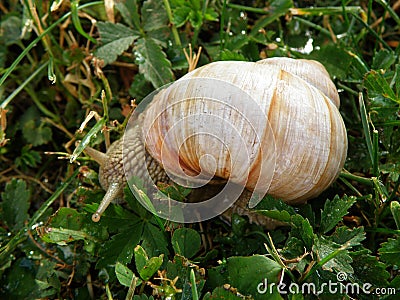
{"x": 272, "y": 127}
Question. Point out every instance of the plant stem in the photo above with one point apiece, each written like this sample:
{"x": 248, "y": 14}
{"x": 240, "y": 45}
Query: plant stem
{"x": 363, "y": 180}
{"x": 364, "y": 120}
{"x": 22, "y": 85}
{"x": 195, "y": 295}
{"x": 173, "y": 27}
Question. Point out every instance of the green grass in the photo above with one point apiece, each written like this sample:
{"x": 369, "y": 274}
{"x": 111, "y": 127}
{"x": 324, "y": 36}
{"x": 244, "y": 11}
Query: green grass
{"x": 57, "y": 66}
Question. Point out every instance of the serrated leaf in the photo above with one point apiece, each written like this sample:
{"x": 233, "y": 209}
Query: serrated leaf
{"x": 181, "y": 15}
{"x": 377, "y": 85}
{"x": 340, "y": 260}
{"x": 15, "y": 204}
{"x": 328, "y": 54}
{"x": 302, "y": 229}
{"x": 28, "y": 158}
{"x": 210, "y": 14}
{"x": 196, "y": 18}
{"x": 227, "y": 54}
{"x": 333, "y": 212}
{"x": 154, "y": 241}
{"x": 125, "y": 12}
{"x": 294, "y": 247}
{"x": 115, "y": 38}
{"x": 125, "y": 275}
{"x": 390, "y": 251}
{"x": 275, "y": 209}
{"x": 153, "y": 62}
{"x": 68, "y": 225}
{"x": 348, "y": 237}
{"x": 367, "y": 269}
{"x": 36, "y": 135}
{"x": 154, "y": 17}
{"x": 186, "y": 242}
{"x": 383, "y": 59}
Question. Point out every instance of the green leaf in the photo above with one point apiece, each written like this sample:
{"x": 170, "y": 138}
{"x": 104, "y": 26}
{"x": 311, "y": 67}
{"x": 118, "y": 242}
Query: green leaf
{"x": 221, "y": 293}
{"x": 196, "y": 18}
{"x": 367, "y": 269}
{"x": 181, "y": 15}
{"x": 328, "y": 54}
{"x": 302, "y": 229}
{"x": 28, "y": 159}
{"x": 76, "y": 21}
{"x": 10, "y": 30}
{"x": 125, "y": 11}
{"x": 275, "y": 209}
{"x": 115, "y": 38}
{"x": 390, "y": 251}
{"x": 125, "y": 275}
{"x": 15, "y": 204}
{"x": 68, "y": 225}
{"x": 143, "y": 297}
{"x": 348, "y": 237}
{"x": 383, "y": 59}
{"x": 377, "y": 85}
{"x": 249, "y": 275}
{"x": 67, "y": 218}
{"x": 141, "y": 258}
{"x": 153, "y": 63}
{"x": 294, "y": 247}
{"x": 155, "y": 19}
{"x": 210, "y": 14}
{"x": 140, "y": 88}
{"x": 145, "y": 266}
{"x": 333, "y": 212}
{"x": 21, "y": 279}
{"x": 36, "y": 135}
{"x": 133, "y": 8}
{"x": 175, "y": 191}
{"x": 154, "y": 241}
{"x": 186, "y": 242}
{"x": 395, "y": 209}
{"x": 396, "y": 77}
{"x": 339, "y": 258}
{"x": 121, "y": 246}
{"x": 227, "y": 54}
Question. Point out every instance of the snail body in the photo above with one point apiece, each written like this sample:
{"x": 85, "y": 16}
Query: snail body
{"x": 272, "y": 126}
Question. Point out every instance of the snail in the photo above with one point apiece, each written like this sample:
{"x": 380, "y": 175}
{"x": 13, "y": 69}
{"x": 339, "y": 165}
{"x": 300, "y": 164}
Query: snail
{"x": 271, "y": 126}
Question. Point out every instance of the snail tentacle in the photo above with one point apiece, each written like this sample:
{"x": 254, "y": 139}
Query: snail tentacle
{"x": 113, "y": 191}
{"x": 96, "y": 155}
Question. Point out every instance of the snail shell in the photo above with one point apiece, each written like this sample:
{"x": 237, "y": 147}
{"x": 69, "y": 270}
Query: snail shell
{"x": 272, "y": 126}
{"x": 290, "y": 141}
